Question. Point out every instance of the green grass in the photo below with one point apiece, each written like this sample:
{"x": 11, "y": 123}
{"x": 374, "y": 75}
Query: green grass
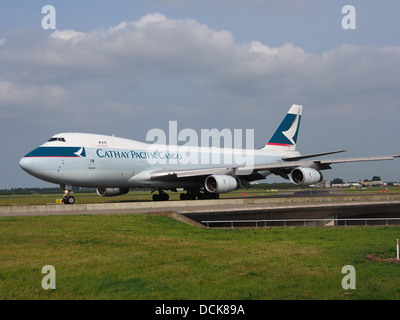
{"x": 149, "y": 257}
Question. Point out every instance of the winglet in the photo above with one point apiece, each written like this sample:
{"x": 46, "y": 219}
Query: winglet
{"x": 285, "y": 137}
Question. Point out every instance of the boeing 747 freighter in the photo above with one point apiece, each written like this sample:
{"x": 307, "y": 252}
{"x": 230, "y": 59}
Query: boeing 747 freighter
{"x": 112, "y": 165}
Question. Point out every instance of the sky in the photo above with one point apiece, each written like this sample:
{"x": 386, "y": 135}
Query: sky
{"x": 127, "y": 67}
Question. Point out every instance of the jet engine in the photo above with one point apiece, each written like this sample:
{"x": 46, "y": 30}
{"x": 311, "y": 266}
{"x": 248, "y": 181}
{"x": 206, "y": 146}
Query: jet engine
{"x": 221, "y": 183}
{"x": 111, "y": 192}
{"x": 305, "y": 176}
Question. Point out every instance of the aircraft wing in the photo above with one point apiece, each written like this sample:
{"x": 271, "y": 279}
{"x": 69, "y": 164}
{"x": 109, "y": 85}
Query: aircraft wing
{"x": 313, "y": 155}
{"x": 320, "y": 164}
{"x": 169, "y": 175}
{"x": 281, "y": 167}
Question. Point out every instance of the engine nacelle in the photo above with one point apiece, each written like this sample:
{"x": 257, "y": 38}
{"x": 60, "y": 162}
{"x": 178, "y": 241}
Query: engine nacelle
{"x": 305, "y": 176}
{"x": 111, "y": 192}
{"x": 221, "y": 183}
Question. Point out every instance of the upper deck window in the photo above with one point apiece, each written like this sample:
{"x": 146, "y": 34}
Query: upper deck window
{"x": 57, "y": 139}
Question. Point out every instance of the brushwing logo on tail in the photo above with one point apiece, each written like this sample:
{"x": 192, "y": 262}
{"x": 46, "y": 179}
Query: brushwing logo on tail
{"x": 286, "y": 134}
{"x": 291, "y": 134}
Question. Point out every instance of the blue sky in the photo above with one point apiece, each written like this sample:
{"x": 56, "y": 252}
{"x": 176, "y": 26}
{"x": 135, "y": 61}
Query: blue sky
{"x": 311, "y": 24}
{"x": 127, "y": 67}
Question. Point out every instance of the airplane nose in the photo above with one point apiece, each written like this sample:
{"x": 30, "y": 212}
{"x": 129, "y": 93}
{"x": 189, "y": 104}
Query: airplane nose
{"x": 26, "y": 164}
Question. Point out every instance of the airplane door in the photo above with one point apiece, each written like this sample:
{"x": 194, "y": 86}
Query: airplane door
{"x": 91, "y": 163}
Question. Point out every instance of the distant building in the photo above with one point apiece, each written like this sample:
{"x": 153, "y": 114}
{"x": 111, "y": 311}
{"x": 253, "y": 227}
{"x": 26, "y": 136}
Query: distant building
{"x": 322, "y": 184}
{"x": 372, "y": 183}
{"x": 346, "y": 185}
{"x": 340, "y": 185}
{"x": 355, "y": 184}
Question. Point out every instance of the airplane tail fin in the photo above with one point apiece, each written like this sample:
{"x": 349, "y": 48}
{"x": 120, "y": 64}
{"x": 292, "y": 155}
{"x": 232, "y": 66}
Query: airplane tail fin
{"x": 285, "y": 137}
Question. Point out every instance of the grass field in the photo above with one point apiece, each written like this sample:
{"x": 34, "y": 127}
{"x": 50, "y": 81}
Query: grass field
{"x": 151, "y": 257}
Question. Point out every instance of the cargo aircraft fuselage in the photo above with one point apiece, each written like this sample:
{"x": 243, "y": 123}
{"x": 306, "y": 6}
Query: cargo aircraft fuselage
{"x": 112, "y": 165}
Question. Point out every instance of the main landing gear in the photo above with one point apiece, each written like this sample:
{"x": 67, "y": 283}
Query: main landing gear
{"x": 161, "y": 196}
{"x": 194, "y": 193}
{"x": 67, "y": 198}
{"x": 191, "y": 194}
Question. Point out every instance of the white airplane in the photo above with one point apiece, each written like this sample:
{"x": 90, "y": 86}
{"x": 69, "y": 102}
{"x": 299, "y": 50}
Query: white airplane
{"x": 113, "y": 165}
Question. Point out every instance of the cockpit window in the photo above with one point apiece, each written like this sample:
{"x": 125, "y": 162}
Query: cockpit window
{"x": 57, "y": 139}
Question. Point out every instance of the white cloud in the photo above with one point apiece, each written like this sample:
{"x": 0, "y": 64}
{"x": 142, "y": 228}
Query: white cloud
{"x": 14, "y": 94}
{"x": 70, "y": 35}
{"x": 157, "y": 51}
{"x": 150, "y": 18}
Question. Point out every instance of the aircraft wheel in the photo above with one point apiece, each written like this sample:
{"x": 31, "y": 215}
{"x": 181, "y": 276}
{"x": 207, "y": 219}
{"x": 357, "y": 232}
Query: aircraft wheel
{"x": 69, "y": 200}
{"x": 161, "y": 197}
{"x": 187, "y": 196}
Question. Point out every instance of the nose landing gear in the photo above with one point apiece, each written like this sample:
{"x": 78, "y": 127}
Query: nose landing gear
{"x": 67, "y": 198}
